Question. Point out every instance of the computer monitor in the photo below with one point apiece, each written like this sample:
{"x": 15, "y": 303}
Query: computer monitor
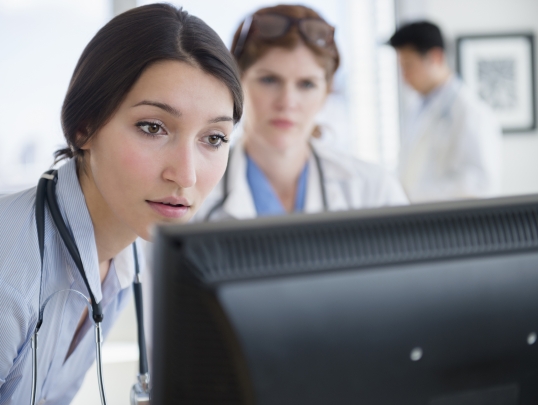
{"x": 432, "y": 304}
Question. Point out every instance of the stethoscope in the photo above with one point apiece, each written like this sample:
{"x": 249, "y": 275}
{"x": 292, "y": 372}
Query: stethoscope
{"x": 226, "y": 185}
{"x": 46, "y": 194}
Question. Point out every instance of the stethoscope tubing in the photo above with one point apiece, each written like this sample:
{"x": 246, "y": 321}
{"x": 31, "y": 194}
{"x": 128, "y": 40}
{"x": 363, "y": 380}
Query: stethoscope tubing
{"x": 98, "y": 357}
{"x": 34, "y": 366}
{"x": 35, "y": 336}
{"x": 46, "y": 195}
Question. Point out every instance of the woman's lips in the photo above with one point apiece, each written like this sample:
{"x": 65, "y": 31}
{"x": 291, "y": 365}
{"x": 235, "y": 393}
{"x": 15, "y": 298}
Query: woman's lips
{"x": 282, "y": 123}
{"x": 169, "y": 211}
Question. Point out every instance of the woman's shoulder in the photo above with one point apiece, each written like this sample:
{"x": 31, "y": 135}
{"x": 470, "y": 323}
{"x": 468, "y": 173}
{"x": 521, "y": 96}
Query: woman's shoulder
{"x": 342, "y": 165}
{"x": 18, "y": 234}
{"x": 373, "y": 185}
{"x": 19, "y": 278}
{"x": 16, "y": 211}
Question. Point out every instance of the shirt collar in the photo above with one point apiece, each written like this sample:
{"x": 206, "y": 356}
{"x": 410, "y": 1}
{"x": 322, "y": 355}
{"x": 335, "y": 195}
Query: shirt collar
{"x": 265, "y": 198}
{"x": 78, "y": 220}
{"x": 263, "y": 194}
{"x": 125, "y": 266}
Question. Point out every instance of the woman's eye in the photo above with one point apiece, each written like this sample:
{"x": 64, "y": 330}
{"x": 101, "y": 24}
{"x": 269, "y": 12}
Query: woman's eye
{"x": 268, "y": 79}
{"x": 216, "y": 141}
{"x": 151, "y": 128}
{"x": 307, "y": 84}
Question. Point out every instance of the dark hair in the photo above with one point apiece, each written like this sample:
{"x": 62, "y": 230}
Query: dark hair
{"x": 255, "y": 48}
{"x": 118, "y": 54}
{"x": 421, "y": 35}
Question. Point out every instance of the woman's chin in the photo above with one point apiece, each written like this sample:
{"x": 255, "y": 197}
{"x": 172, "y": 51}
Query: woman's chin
{"x": 282, "y": 142}
{"x": 149, "y": 232}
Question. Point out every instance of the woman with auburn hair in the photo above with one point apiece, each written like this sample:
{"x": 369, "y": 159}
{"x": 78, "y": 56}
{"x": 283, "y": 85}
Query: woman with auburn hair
{"x": 147, "y": 117}
{"x": 288, "y": 58}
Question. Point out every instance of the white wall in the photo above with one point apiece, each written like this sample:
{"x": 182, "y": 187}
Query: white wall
{"x": 40, "y": 43}
{"x": 461, "y": 17}
{"x": 373, "y": 82}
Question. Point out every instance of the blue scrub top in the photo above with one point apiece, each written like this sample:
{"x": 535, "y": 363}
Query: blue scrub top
{"x": 265, "y": 198}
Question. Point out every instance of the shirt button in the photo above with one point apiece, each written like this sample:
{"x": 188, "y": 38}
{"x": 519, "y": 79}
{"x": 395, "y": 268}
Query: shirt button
{"x": 42, "y": 401}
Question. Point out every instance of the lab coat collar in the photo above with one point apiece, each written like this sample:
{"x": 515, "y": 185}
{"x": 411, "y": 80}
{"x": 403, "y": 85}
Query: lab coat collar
{"x": 314, "y": 199}
{"x": 415, "y": 152}
{"x": 239, "y": 203}
{"x": 441, "y": 98}
{"x": 437, "y": 106}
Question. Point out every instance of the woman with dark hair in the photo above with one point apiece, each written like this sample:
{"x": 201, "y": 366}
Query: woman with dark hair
{"x": 288, "y": 58}
{"x": 147, "y": 116}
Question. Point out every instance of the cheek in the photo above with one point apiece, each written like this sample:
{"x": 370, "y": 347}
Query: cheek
{"x": 419, "y": 71}
{"x": 259, "y": 101}
{"x": 210, "y": 171}
{"x": 122, "y": 163}
{"x": 314, "y": 103}
{"x": 409, "y": 70}
{"x": 135, "y": 159}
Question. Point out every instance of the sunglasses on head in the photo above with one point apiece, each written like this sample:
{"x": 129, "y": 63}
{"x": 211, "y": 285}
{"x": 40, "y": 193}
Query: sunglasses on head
{"x": 271, "y": 26}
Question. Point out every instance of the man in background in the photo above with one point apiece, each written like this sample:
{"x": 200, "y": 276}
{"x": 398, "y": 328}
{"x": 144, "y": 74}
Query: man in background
{"x": 451, "y": 142}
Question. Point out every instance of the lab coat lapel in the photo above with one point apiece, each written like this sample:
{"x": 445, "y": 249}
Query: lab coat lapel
{"x": 417, "y": 155}
{"x": 239, "y": 203}
{"x": 335, "y": 181}
{"x": 313, "y": 199}
{"x": 417, "y": 151}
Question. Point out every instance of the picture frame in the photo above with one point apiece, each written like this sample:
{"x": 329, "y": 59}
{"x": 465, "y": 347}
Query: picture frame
{"x": 500, "y": 69}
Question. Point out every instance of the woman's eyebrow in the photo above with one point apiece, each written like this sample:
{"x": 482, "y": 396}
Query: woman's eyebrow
{"x": 220, "y": 119}
{"x": 265, "y": 71}
{"x": 176, "y": 113}
{"x": 163, "y": 106}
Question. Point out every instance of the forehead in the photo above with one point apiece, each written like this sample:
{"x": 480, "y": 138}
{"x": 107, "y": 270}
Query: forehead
{"x": 409, "y": 53}
{"x": 183, "y": 86}
{"x": 299, "y": 61}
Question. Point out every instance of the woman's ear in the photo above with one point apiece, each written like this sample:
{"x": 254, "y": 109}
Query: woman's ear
{"x": 83, "y": 140}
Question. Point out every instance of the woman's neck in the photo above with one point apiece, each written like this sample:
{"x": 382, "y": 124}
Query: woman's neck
{"x": 281, "y": 167}
{"x": 111, "y": 236}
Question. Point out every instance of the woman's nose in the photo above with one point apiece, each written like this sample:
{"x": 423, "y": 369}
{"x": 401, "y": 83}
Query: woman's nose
{"x": 288, "y": 98}
{"x": 181, "y": 166}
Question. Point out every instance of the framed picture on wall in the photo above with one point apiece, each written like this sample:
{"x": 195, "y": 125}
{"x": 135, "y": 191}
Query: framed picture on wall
{"x": 500, "y": 69}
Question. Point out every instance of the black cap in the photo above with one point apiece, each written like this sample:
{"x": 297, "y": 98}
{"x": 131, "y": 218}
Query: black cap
{"x": 422, "y": 35}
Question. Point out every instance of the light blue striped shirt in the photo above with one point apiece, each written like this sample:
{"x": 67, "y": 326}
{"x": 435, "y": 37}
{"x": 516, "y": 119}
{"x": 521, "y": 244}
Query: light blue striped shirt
{"x": 59, "y": 376}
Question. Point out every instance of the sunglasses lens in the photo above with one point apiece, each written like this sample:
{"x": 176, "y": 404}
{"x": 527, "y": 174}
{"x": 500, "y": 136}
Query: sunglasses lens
{"x": 317, "y": 32}
{"x": 271, "y": 25}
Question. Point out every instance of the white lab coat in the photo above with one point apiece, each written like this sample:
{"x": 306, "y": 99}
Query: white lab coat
{"x": 452, "y": 148}
{"x": 349, "y": 184}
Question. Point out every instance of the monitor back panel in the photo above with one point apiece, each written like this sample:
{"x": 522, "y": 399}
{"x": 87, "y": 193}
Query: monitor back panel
{"x": 392, "y": 306}
{"x": 442, "y": 332}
